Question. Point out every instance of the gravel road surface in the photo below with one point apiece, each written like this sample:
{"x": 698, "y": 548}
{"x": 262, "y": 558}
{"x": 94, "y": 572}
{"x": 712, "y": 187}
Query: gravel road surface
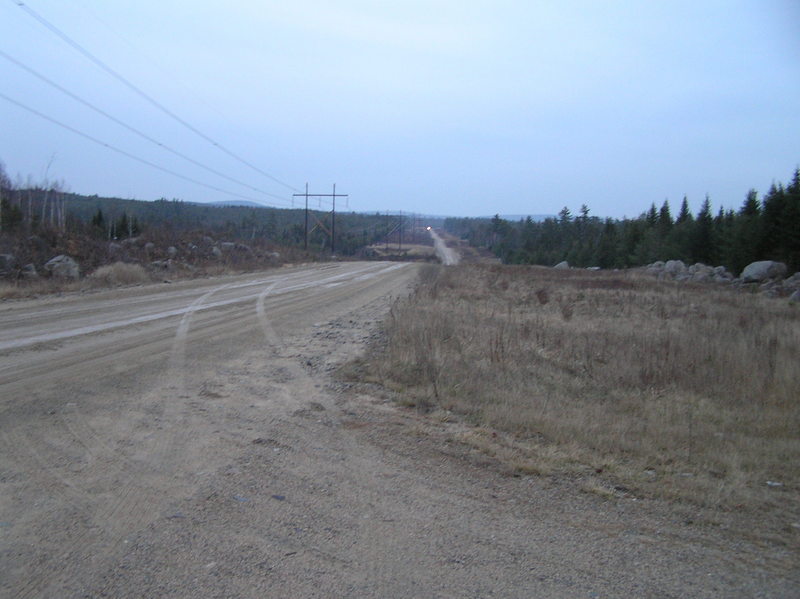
{"x": 446, "y": 255}
{"x": 188, "y": 440}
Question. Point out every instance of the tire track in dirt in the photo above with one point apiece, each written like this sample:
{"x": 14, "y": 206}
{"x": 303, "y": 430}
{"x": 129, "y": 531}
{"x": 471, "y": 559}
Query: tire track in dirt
{"x": 374, "y": 531}
{"x": 136, "y": 487}
{"x": 132, "y": 505}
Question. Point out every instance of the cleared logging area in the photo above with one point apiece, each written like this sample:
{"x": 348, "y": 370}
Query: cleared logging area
{"x": 655, "y": 388}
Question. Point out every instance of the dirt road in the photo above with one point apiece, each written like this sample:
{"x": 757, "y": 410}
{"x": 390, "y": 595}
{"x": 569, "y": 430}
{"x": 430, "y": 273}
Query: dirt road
{"x": 446, "y": 255}
{"x": 187, "y": 440}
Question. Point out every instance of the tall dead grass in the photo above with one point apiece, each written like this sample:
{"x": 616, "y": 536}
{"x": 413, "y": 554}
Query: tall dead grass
{"x": 680, "y": 391}
{"x": 119, "y": 274}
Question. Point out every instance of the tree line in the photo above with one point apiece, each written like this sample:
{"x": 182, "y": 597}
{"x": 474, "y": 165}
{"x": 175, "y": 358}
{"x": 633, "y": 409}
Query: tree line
{"x": 765, "y": 228}
{"x": 46, "y": 208}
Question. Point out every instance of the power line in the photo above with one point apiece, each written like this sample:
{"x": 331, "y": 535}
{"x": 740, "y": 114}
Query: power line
{"x": 153, "y": 64}
{"x": 75, "y": 45}
{"x": 128, "y": 154}
{"x": 130, "y": 128}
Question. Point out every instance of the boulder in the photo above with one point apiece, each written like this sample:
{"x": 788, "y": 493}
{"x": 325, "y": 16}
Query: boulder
{"x": 215, "y": 251}
{"x": 8, "y": 262}
{"x": 227, "y": 246}
{"x": 162, "y": 264}
{"x": 63, "y": 267}
{"x": 675, "y": 267}
{"x": 795, "y": 297}
{"x": 562, "y": 265}
{"x": 656, "y": 269}
{"x": 720, "y": 272}
{"x": 172, "y": 251}
{"x": 701, "y": 272}
{"x": 29, "y": 272}
{"x": 763, "y": 270}
{"x": 149, "y": 247}
{"x": 792, "y": 282}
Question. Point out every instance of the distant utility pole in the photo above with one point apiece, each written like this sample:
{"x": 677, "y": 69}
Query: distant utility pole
{"x": 400, "y": 236}
{"x": 333, "y": 195}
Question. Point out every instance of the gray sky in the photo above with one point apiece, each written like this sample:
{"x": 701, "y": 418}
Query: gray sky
{"x": 464, "y": 107}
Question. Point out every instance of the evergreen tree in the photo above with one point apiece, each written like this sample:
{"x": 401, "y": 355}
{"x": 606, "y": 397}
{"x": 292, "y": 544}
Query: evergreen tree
{"x": 703, "y": 248}
{"x": 664, "y": 220}
{"x": 684, "y": 215}
{"x": 751, "y": 206}
{"x": 652, "y": 216}
{"x": 607, "y": 253}
{"x": 773, "y": 237}
{"x": 98, "y": 220}
{"x": 791, "y": 223}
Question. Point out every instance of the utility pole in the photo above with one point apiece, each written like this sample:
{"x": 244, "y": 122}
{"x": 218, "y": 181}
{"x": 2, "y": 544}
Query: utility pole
{"x": 400, "y": 233}
{"x": 333, "y": 195}
{"x": 333, "y": 222}
{"x": 305, "y": 236}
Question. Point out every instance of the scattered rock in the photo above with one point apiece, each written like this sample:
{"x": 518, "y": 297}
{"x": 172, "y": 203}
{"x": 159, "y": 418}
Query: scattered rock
{"x": 674, "y": 267}
{"x": 172, "y": 251}
{"x": 215, "y": 251}
{"x": 795, "y": 297}
{"x": 162, "y": 264}
{"x": 149, "y": 247}
{"x": 756, "y": 272}
{"x": 8, "y": 262}
{"x": 63, "y": 266}
{"x": 792, "y": 282}
{"x": 562, "y": 265}
{"x": 700, "y": 272}
{"x": 227, "y": 246}
{"x": 29, "y": 272}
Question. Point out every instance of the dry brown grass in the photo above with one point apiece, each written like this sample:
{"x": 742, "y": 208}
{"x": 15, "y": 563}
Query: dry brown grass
{"x": 676, "y": 391}
{"x": 119, "y": 274}
{"x": 21, "y": 289}
{"x": 407, "y": 252}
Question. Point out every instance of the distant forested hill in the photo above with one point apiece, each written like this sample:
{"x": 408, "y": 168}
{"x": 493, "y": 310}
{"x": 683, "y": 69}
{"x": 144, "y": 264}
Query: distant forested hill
{"x": 37, "y": 208}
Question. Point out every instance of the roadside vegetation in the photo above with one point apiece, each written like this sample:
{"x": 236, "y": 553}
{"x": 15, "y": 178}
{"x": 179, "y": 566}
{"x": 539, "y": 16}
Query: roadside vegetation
{"x": 634, "y": 385}
{"x": 112, "y": 242}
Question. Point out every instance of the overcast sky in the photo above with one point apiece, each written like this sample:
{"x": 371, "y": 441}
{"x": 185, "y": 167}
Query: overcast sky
{"x": 462, "y": 107}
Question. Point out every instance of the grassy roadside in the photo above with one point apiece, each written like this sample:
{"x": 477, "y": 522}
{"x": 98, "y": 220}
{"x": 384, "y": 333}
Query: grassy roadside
{"x": 659, "y": 389}
{"x": 110, "y": 276}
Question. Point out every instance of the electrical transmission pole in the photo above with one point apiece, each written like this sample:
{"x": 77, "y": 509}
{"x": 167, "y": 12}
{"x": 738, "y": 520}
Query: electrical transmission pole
{"x": 333, "y": 195}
